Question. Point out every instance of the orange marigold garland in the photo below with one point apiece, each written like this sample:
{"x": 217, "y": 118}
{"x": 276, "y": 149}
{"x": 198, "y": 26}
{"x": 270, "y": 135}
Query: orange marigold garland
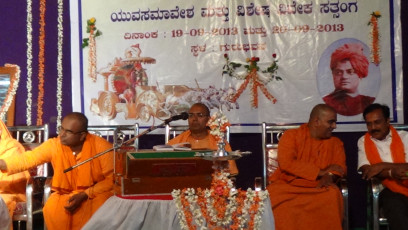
{"x": 220, "y": 207}
{"x": 91, "y": 42}
{"x": 252, "y": 78}
{"x": 375, "y": 37}
{"x": 41, "y": 61}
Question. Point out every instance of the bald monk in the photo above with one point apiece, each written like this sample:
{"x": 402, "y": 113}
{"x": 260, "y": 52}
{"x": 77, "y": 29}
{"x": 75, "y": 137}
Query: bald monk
{"x": 12, "y": 187}
{"x": 303, "y": 189}
{"x": 78, "y": 193}
{"x": 198, "y": 134}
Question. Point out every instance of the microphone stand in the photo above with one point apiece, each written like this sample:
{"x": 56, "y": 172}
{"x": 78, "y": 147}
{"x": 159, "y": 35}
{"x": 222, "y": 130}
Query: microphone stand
{"x": 119, "y": 145}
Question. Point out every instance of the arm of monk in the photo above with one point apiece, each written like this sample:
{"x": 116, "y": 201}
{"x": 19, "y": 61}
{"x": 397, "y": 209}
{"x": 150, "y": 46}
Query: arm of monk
{"x": 338, "y": 162}
{"x": 287, "y": 158}
{"x": 105, "y": 183}
{"x": 289, "y": 162}
{"x": 20, "y": 162}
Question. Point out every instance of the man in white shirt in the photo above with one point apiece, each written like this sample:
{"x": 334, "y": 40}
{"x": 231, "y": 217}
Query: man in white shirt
{"x": 382, "y": 153}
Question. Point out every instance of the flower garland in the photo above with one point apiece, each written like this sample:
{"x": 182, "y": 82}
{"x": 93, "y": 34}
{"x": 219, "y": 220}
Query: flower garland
{"x": 14, "y": 80}
{"x": 59, "y": 62}
{"x": 41, "y": 61}
{"x": 220, "y": 207}
{"x": 29, "y": 60}
{"x": 218, "y": 124}
{"x": 375, "y": 37}
{"x": 252, "y": 78}
{"x": 90, "y": 41}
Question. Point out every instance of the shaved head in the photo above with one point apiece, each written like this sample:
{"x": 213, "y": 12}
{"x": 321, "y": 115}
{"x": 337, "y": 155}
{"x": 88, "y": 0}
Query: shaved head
{"x": 81, "y": 118}
{"x": 318, "y": 110}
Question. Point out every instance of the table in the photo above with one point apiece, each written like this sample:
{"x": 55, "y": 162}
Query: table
{"x": 123, "y": 214}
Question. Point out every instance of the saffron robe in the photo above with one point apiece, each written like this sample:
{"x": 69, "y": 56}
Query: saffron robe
{"x": 296, "y": 201}
{"x": 210, "y": 144}
{"x": 95, "y": 178}
{"x": 347, "y": 105}
{"x": 12, "y": 187}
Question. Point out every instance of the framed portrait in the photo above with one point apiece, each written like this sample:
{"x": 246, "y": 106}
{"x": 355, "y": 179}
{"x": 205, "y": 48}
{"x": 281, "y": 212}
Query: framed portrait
{"x": 8, "y": 75}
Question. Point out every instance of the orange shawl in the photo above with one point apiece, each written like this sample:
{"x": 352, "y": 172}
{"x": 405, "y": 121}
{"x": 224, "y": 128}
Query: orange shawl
{"x": 70, "y": 181}
{"x": 398, "y": 156}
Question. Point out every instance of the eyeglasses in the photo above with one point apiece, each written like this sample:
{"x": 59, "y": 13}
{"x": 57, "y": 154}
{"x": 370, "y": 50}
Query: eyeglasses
{"x": 199, "y": 115}
{"x": 67, "y": 131}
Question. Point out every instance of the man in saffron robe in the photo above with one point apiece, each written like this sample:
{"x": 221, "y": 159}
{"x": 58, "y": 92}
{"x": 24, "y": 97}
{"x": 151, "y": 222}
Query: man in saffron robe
{"x": 77, "y": 194}
{"x": 198, "y": 134}
{"x": 303, "y": 189}
{"x": 382, "y": 153}
{"x": 12, "y": 187}
{"x": 349, "y": 65}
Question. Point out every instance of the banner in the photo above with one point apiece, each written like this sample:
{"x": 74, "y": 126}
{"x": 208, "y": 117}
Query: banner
{"x": 258, "y": 61}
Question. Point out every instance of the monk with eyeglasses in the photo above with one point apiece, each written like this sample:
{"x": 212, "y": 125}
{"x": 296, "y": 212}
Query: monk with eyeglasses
{"x": 198, "y": 134}
{"x": 77, "y": 194}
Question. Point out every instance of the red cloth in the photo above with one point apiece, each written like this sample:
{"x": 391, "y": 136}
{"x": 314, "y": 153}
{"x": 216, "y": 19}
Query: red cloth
{"x": 296, "y": 201}
{"x": 354, "y": 52}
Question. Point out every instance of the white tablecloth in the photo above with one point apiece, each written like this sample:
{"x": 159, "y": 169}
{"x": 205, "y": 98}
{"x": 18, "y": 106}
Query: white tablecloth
{"x": 4, "y": 216}
{"x": 126, "y": 214}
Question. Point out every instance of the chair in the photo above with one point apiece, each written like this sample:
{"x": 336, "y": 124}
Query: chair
{"x": 378, "y": 218}
{"x": 172, "y": 131}
{"x": 271, "y": 134}
{"x": 117, "y": 134}
{"x": 38, "y": 187}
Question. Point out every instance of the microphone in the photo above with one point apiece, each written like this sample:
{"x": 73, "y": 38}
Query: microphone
{"x": 181, "y": 116}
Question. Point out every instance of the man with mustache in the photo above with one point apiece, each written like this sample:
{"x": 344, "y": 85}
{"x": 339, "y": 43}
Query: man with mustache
{"x": 349, "y": 65}
{"x": 382, "y": 153}
{"x": 303, "y": 189}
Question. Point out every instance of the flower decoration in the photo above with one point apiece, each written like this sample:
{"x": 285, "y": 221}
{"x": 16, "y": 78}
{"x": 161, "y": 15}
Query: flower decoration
{"x": 29, "y": 60}
{"x": 220, "y": 207}
{"x": 375, "y": 37}
{"x": 59, "y": 62}
{"x": 218, "y": 124}
{"x": 92, "y": 30}
{"x": 41, "y": 63}
{"x": 252, "y": 78}
{"x": 90, "y": 41}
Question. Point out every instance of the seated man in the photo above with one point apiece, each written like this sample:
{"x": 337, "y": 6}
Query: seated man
{"x": 12, "y": 187}
{"x": 77, "y": 194}
{"x": 198, "y": 134}
{"x": 303, "y": 189}
{"x": 382, "y": 153}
